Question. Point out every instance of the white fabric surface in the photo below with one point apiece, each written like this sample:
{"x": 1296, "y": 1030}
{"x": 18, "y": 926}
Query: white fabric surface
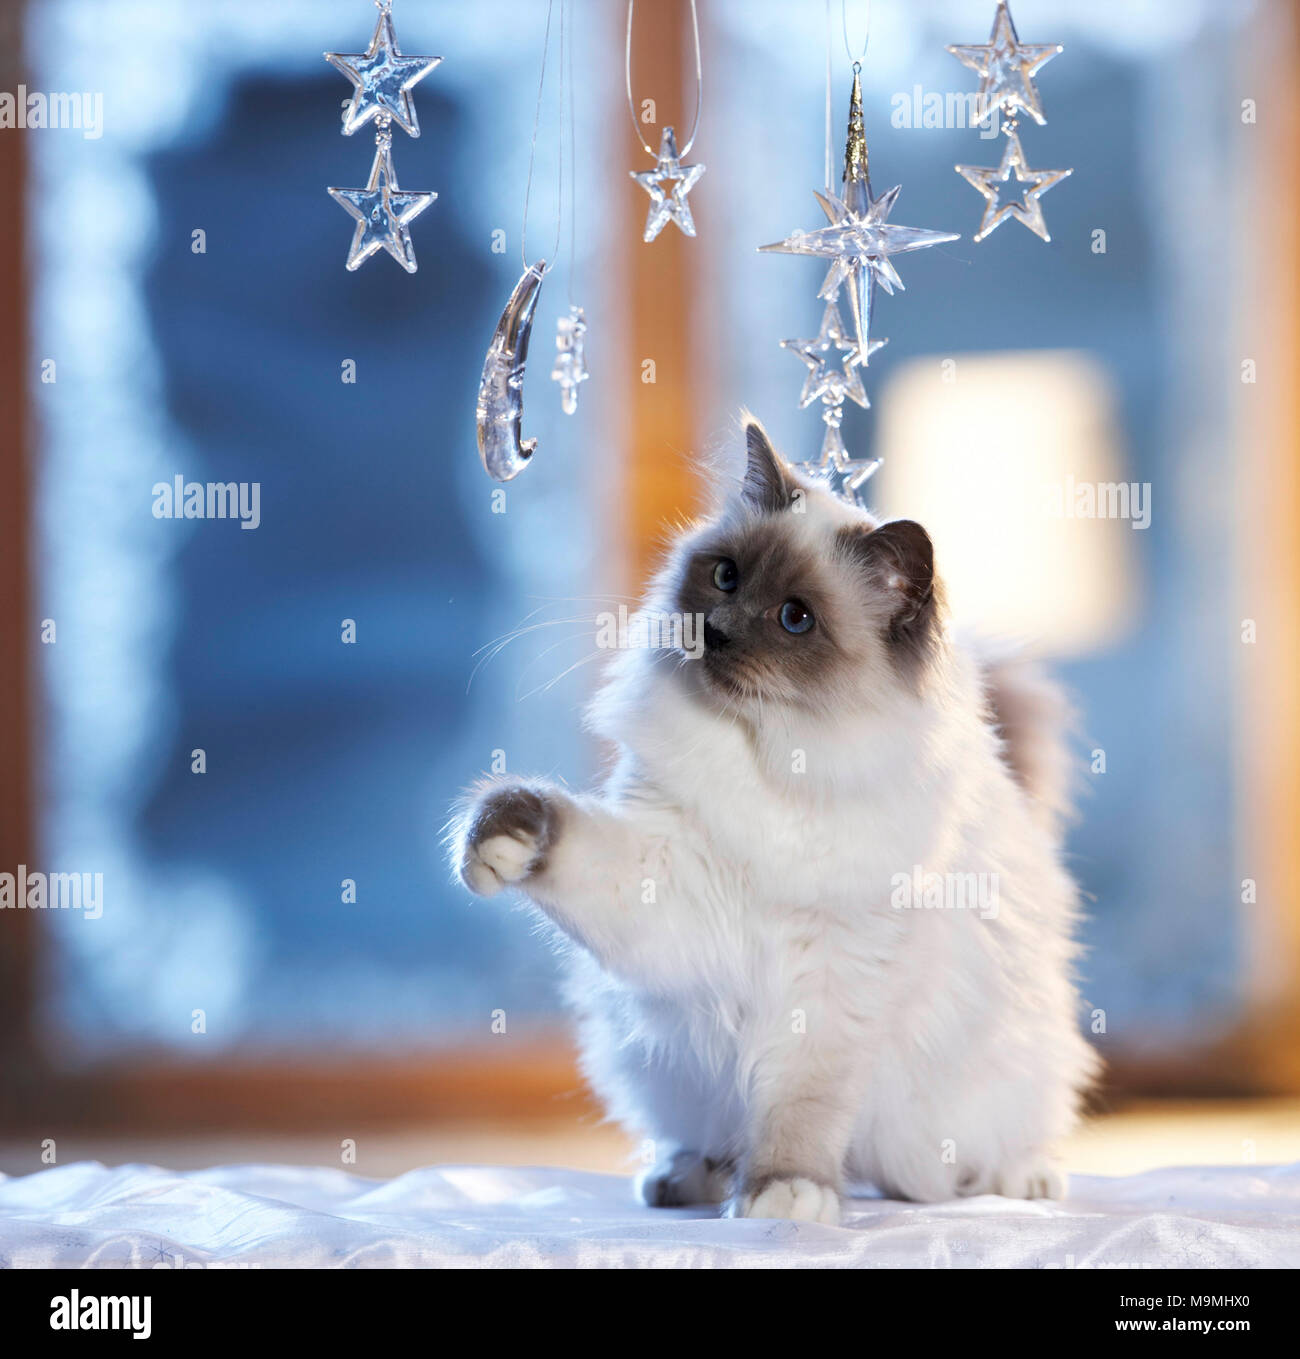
{"x": 267, "y": 1216}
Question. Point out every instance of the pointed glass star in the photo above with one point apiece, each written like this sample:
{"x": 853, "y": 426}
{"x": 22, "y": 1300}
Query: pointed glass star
{"x": 383, "y": 212}
{"x": 1020, "y": 202}
{"x": 841, "y": 475}
{"x": 671, "y": 205}
{"x": 859, "y": 242}
{"x": 382, "y": 78}
{"x": 1006, "y": 66}
{"x": 832, "y": 384}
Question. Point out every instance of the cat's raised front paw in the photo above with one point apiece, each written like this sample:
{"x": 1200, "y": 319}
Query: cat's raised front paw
{"x": 795, "y": 1200}
{"x": 504, "y": 836}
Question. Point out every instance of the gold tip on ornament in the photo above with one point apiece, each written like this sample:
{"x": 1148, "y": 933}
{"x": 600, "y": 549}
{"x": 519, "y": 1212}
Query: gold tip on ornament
{"x": 855, "y": 148}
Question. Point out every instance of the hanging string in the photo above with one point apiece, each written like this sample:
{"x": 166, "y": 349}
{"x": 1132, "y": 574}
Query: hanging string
{"x": 566, "y": 43}
{"x": 857, "y": 67}
{"x": 532, "y": 148}
{"x": 866, "y": 38}
{"x": 829, "y": 185}
{"x": 699, "y": 83}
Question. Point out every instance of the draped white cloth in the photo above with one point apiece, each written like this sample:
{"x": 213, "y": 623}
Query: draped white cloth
{"x": 270, "y": 1215}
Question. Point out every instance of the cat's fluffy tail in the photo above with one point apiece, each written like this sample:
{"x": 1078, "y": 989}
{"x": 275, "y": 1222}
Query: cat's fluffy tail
{"x": 1034, "y": 718}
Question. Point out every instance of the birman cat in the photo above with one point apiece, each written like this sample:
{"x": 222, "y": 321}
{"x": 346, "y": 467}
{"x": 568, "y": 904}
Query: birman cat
{"x": 816, "y": 921}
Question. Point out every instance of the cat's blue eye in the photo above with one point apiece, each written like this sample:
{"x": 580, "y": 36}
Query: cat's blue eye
{"x": 795, "y": 617}
{"x": 725, "y": 575}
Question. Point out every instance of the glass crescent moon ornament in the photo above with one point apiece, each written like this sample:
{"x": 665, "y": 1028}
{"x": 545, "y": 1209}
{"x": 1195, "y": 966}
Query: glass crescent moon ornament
{"x": 500, "y": 409}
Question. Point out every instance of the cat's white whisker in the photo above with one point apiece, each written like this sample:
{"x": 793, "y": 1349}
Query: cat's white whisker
{"x": 551, "y": 683}
{"x": 493, "y": 649}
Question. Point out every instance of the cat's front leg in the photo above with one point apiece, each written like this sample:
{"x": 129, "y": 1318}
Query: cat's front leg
{"x": 591, "y": 870}
{"x": 805, "y": 1104}
{"x": 801, "y": 1188}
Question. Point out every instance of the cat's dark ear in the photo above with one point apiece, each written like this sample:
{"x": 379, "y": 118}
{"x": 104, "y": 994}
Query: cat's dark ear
{"x": 900, "y": 559}
{"x": 768, "y": 485}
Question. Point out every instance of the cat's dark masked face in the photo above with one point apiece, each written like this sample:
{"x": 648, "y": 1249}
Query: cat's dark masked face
{"x": 769, "y": 613}
{"x": 800, "y": 602}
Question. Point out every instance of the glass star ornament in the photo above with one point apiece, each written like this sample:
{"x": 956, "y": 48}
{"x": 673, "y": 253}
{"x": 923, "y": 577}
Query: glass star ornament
{"x": 1006, "y": 68}
{"x": 382, "y": 78}
{"x": 668, "y": 204}
{"x": 831, "y": 378}
{"x": 383, "y": 211}
{"x": 570, "y": 357}
{"x": 1012, "y": 190}
{"x": 835, "y": 470}
{"x": 860, "y": 239}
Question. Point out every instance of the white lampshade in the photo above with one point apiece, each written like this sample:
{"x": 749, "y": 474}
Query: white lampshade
{"x": 1012, "y": 463}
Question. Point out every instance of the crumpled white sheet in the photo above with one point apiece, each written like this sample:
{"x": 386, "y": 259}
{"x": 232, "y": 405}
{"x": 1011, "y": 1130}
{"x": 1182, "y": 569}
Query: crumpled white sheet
{"x": 268, "y": 1215}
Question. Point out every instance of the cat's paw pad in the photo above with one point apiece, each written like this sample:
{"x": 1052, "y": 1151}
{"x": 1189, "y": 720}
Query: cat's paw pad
{"x": 1030, "y": 1180}
{"x": 685, "y": 1178}
{"x": 795, "y": 1200}
{"x": 506, "y": 833}
{"x": 500, "y": 861}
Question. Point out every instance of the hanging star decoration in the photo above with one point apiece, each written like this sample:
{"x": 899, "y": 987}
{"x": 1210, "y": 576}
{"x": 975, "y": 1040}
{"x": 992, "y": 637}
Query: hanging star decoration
{"x": 859, "y": 240}
{"x": 834, "y": 383}
{"x": 383, "y": 212}
{"x": 830, "y": 378}
{"x": 841, "y": 475}
{"x": 382, "y": 78}
{"x": 1012, "y": 190}
{"x": 570, "y": 358}
{"x": 1006, "y": 68}
{"x": 668, "y": 204}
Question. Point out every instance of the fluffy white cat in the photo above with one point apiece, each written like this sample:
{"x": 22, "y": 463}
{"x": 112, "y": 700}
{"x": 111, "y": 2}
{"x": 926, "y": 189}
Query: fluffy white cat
{"x": 817, "y": 920}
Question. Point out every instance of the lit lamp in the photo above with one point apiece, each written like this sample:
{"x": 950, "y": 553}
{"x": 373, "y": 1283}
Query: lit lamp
{"x": 1012, "y": 463}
